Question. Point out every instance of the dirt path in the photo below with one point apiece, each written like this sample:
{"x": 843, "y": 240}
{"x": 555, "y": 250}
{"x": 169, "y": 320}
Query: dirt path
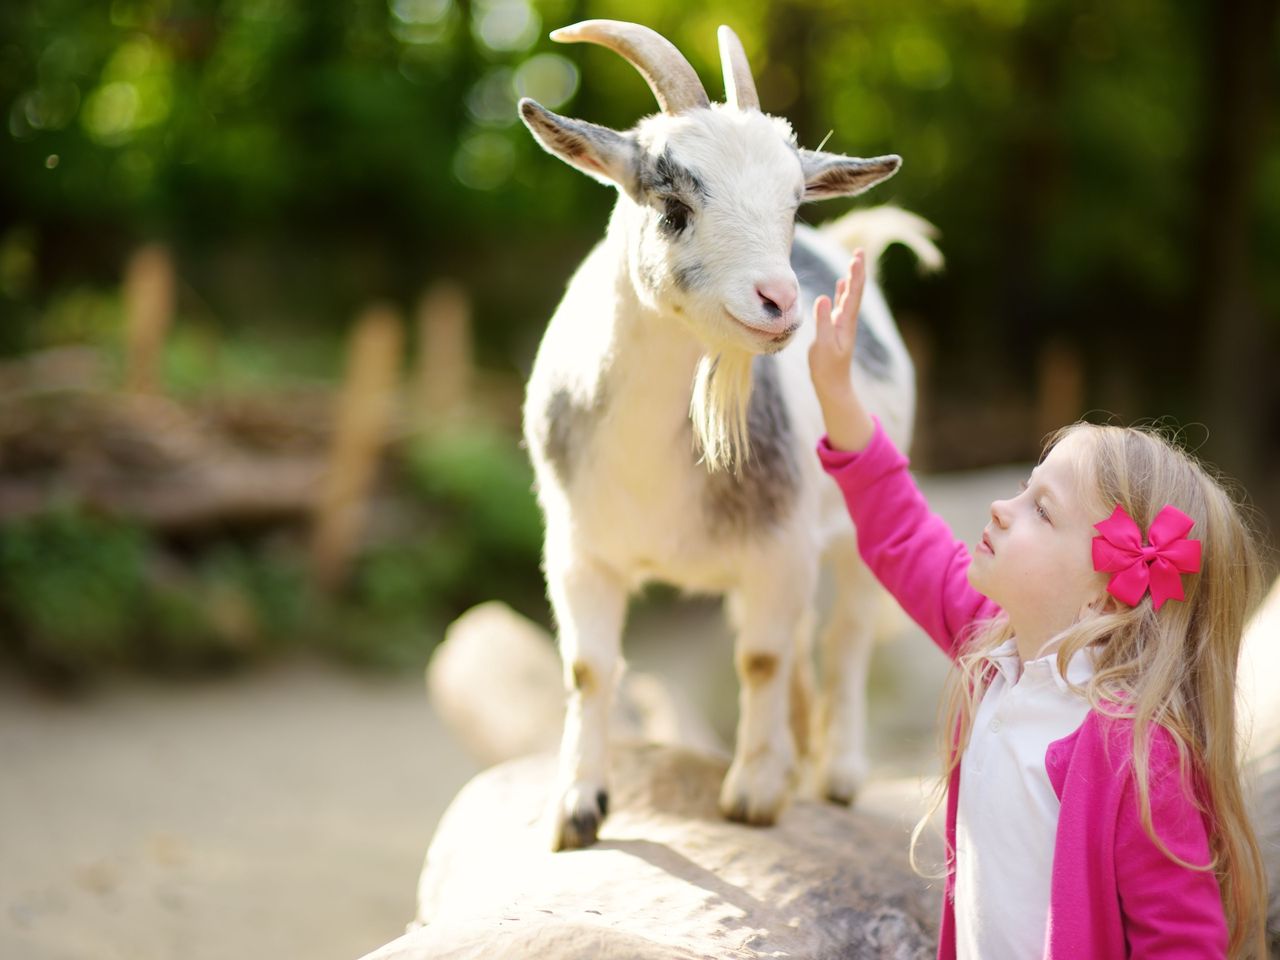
{"x": 281, "y": 814}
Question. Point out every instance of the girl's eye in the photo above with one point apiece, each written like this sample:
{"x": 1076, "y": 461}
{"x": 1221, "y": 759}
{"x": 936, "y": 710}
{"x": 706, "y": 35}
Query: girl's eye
{"x": 1022, "y": 485}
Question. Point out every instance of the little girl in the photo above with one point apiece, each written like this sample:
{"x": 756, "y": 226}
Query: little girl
{"x": 1094, "y": 804}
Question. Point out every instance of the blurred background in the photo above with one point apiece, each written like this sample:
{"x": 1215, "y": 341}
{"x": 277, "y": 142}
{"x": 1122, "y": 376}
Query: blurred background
{"x": 201, "y": 201}
{"x": 272, "y": 274}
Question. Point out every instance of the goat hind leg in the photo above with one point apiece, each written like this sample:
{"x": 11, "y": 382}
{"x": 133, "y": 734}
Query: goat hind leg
{"x": 847, "y": 641}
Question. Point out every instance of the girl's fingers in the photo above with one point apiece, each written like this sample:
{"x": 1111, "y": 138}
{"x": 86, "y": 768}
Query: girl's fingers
{"x": 857, "y": 271}
{"x": 842, "y": 293}
{"x": 847, "y": 314}
{"x": 822, "y": 315}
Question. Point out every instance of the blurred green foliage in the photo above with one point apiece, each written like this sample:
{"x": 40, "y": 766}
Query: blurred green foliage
{"x": 307, "y": 157}
{"x": 75, "y": 582}
{"x": 80, "y": 593}
{"x": 486, "y": 482}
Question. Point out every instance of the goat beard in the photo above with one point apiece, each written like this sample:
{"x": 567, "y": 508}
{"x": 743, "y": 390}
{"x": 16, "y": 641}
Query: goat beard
{"x": 718, "y": 410}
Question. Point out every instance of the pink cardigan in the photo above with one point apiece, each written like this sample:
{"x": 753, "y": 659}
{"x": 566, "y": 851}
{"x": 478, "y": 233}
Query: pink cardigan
{"x": 1113, "y": 893}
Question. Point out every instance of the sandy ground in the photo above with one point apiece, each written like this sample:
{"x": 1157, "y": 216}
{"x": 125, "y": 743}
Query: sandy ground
{"x": 285, "y": 812}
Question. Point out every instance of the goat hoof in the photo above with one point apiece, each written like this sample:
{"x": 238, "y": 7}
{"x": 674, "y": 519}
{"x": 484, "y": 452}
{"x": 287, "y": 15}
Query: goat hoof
{"x": 836, "y": 795}
{"x": 754, "y": 793}
{"x": 578, "y": 819}
{"x": 842, "y": 780}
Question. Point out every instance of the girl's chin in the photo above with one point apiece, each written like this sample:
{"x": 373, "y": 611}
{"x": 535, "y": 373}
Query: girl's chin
{"x": 976, "y": 580}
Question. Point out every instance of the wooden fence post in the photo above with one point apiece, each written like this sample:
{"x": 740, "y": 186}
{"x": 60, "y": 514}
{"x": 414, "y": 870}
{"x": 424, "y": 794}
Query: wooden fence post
{"x": 1060, "y": 388}
{"x": 148, "y": 307}
{"x": 365, "y": 406}
{"x": 444, "y": 367}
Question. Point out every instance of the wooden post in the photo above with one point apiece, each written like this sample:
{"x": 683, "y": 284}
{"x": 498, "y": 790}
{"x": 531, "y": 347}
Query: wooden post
{"x": 443, "y": 374}
{"x": 1060, "y": 388}
{"x": 148, "y": 307}
{"x": 363, "y": 417}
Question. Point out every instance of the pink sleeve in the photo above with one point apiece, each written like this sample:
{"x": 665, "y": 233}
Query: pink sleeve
{"x": 1169, "y": 911}
{"x": 910, "y": 549}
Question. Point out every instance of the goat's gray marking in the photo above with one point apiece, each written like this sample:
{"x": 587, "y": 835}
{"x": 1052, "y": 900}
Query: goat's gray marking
{"x": 689, "y": 277}
{"x": 770, "y": 477}
{"x": 648, "y": 275}
{"x": 817, "y": 277}
{"x": 564, "y": 429}
{"x": 664, "y": 174}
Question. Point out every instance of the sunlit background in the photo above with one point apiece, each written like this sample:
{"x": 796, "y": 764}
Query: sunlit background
{"x": 272, "y": 274}
{"x": 1106, "y": 180}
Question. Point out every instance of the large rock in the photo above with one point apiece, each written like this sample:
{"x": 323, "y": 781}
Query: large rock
{"x": 1267, "y": 818}
{"x": 1258, "y": 687}
{"x": 669, "y": 877}
{"x": 497, "y": 682}
{"x": 1259, "y": 707}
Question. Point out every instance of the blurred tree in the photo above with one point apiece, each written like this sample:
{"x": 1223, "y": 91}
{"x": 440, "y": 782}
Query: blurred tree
{"x": 1239, "y": 104}
{"x": 1106, "y": 176}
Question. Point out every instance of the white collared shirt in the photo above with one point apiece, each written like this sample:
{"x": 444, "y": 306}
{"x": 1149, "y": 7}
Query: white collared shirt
{"x": 1007, "y": 812}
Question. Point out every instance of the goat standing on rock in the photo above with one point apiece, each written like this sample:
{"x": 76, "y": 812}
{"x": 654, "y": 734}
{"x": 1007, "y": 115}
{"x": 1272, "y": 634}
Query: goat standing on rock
{"x": 671, "y": 420}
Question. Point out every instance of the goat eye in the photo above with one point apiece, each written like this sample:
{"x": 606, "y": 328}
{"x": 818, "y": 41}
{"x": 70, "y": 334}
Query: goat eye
{"x": 675, "y": 216}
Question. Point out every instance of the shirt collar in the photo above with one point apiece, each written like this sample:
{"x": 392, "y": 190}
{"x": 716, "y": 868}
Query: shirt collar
{"x": 1079, "y": 668}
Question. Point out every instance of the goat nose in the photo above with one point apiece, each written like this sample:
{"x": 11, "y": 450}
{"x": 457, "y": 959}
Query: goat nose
{"x": 778, "y": 296}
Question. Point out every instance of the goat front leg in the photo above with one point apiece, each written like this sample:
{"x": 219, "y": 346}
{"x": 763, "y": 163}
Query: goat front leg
{"x": 763, "y": 771}
{"x": 589, "y": 603}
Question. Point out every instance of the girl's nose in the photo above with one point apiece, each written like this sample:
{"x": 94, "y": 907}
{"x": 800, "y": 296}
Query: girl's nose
{"x": 999, "y": 511}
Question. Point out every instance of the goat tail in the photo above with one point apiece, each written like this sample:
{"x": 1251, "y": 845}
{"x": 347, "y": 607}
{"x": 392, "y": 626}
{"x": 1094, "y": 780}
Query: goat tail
{"x": 875, "y": 228}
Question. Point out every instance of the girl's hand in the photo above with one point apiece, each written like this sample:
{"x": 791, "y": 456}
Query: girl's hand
{"x": 831, "y": 354}
{"x": 849, "y": 426}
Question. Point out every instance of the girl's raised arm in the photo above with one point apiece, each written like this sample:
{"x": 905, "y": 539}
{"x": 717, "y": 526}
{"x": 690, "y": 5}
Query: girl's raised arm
{"x": 910, "y": 549}
{"x": 849, "y": 426}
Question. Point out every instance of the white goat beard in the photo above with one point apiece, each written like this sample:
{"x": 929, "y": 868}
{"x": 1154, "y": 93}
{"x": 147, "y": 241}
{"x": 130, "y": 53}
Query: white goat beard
{"x": 721, "y": 398}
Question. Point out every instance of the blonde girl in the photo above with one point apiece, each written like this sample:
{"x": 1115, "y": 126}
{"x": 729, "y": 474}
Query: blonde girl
{"x": 1094, "y": 804}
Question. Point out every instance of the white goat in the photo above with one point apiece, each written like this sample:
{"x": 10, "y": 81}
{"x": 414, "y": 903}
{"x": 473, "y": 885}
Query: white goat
{"x": 671, "y": 421}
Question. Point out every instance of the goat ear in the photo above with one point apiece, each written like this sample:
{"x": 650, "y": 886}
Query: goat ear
{"x": 829, "y": 175}
{"x": 599, "y": 152}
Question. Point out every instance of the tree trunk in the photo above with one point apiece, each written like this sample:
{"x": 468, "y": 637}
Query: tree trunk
{"x": 1239, "y": 97}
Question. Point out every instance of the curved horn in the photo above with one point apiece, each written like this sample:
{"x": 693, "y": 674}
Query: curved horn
{"x": 669, "y": 75}
{"x": 739, "y": 87}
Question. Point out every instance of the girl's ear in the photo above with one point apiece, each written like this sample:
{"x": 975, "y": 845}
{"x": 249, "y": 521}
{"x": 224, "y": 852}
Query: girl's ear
{"x": 1102, "y": 603}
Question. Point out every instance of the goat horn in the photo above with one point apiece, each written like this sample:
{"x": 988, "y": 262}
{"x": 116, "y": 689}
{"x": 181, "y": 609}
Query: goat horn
{"x": 739, "y": 87}
{"x": 669, "y": 75}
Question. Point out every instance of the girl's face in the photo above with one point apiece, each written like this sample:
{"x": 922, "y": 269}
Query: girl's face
{"x": 1035, "y": 557}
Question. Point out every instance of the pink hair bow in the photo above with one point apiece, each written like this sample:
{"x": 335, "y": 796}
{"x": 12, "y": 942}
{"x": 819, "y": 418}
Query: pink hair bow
{"x": 1119, "y": 550}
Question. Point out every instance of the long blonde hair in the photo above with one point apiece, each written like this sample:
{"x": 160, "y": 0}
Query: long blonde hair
{"x": 1175, "y": 668}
